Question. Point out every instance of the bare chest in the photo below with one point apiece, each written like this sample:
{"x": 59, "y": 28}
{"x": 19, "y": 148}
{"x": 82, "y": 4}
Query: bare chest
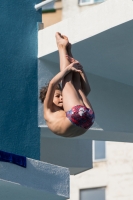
{"x": 55, "y": 119}
{"x": 60, "y": 125}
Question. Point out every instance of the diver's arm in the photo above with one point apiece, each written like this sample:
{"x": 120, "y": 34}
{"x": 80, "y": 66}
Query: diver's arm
{"x": 72, "y": 67}
{"x": 53, "y": 83}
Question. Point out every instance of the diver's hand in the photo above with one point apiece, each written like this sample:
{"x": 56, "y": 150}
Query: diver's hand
{"x": 75, "y": 67}
{"x": 72, "y": 60}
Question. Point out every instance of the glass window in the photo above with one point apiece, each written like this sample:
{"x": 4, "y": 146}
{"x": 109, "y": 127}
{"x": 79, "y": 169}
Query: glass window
{"x": 99, "y": 152}
{"x": 86, "y": 2}
{"x": 92, "y": 194}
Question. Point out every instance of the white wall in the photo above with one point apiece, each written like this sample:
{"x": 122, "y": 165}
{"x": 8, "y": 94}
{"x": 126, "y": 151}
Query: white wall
{"x": 71, "y": 7}
{"x": 116, "y": 174}
{"x": 93, "y": 21}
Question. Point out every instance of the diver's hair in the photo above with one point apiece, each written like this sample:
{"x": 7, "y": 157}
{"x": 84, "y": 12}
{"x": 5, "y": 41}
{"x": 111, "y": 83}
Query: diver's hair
{"x": 44, "y": 89}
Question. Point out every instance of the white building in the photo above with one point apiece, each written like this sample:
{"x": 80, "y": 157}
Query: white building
{"x": 111, "y": 177}
{"x": 104, "y": 25}
{"x": 73, "y": 7}
{"x": 102, "y": 39}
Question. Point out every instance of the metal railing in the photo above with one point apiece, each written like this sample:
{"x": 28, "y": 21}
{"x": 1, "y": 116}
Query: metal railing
{"x": 40, "y": 5}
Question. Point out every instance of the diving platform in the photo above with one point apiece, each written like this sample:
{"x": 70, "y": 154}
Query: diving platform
{"x": 39, "y": 180}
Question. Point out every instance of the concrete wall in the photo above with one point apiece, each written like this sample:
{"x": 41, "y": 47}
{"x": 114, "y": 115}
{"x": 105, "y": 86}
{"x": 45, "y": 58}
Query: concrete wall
{"x": 38, "y": 176}
{"x": 96, "y": 19}
{"x": 51, "y": 18}
{"x": 72, "y": 7}
{"x": 115, "y": 174}
{"x": 19, "y": 132}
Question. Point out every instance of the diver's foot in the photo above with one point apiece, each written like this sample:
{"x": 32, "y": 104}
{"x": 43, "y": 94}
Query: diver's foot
{"x": 61, "y": 40}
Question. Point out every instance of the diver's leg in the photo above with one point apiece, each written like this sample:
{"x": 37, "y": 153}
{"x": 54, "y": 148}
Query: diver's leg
{"x": 70, "y": 95}
{"x": 77, "y": 84}
{"x": 76, "y": 79}
{"x": 62, "y": 42}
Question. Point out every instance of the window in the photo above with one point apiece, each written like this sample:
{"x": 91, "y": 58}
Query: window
{"x": 87, "y": 2}
{"x": 99, "y": 150}
{"x": 49, "y": 7}
{"x": 92, "y": 194}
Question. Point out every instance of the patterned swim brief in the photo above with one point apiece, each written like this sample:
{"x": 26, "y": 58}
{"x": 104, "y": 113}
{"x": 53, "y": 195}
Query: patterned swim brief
{"x": 81, "y": 116}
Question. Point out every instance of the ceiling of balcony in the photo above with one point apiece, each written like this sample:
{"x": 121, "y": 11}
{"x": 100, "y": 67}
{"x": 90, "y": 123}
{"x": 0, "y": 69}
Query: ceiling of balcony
{"x": 108, "y": 54}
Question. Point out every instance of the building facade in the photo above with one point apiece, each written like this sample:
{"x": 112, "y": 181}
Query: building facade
{"x": 52, "y": 13}
{"x": 73, "y": 7}
{"x": 111, "y": 177}
{"x": 101, "y": 32}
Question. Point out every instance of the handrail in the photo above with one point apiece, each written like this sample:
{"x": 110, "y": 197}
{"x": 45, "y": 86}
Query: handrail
{"x": 40, "y": 5}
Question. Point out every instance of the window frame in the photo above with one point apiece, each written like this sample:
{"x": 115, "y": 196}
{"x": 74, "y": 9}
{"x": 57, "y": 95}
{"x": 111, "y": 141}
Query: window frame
{"x": 93, "y": 152}
{"x": 92, "y": 188}
{"x": 80, "y": 3}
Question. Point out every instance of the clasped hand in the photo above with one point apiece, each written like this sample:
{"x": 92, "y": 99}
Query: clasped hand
{"x": 75, "y": 65}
